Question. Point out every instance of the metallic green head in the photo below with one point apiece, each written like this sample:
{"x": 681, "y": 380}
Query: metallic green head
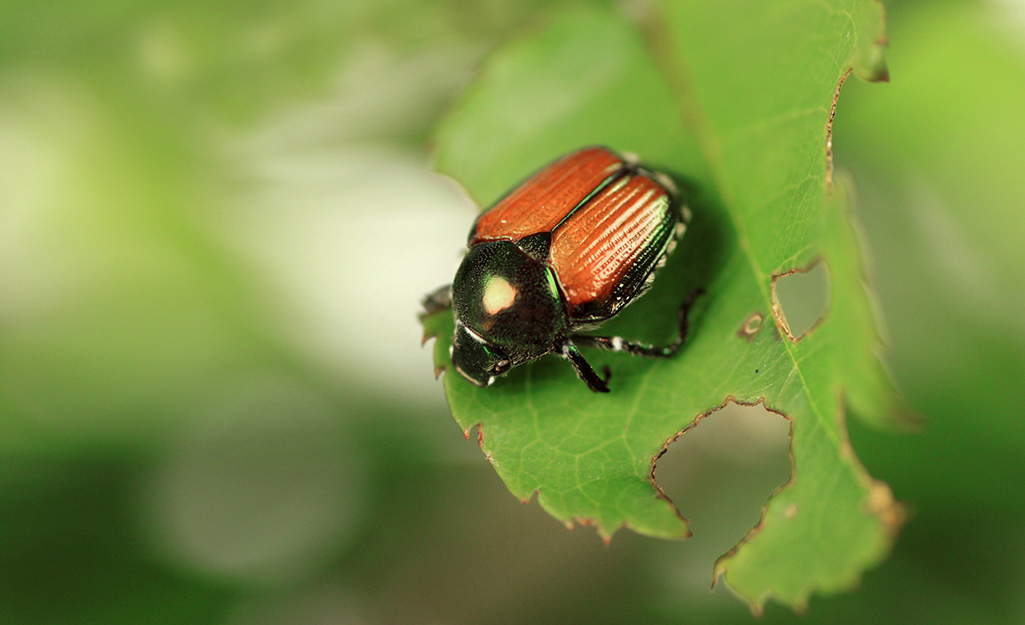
{"x": 508, "y": 311}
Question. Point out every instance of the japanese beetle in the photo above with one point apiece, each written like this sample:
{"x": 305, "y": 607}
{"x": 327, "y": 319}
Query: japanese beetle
{"x": 565, "y": 251}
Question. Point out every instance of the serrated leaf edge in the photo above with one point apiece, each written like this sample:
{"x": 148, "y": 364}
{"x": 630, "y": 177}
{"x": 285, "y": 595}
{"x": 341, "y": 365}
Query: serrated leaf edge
{"x": 878, "y": 502}
{"x": 677, "y": 76}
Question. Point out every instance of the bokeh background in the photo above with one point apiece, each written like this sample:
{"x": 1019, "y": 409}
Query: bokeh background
{"x": 216, "y": 222}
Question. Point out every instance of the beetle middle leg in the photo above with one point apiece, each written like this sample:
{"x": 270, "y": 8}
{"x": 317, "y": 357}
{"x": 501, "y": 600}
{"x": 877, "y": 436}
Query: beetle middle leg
{"x": 584, "y": 369}
{"x": 619, "y": 344}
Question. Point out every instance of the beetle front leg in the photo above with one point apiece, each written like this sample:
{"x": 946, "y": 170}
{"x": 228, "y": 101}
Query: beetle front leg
{"x": 437, "y": 301}
{"x": 584, "y": 369}
{"x": 619, "y": 344}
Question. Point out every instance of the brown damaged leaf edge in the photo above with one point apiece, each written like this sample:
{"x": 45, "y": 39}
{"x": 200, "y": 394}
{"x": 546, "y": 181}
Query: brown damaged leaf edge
{"x": 584, "y": 521}
{"x": 717, "y": 571}
{"x": 665, "y": 447}
{"x": 777, "y": 310}
{"x": 569, "y": 523}
{"x": 875, "y": 74}
{"x": 480, "y": 440}
{"x": 880, "y": 503}
{"x": 829, "y": 132}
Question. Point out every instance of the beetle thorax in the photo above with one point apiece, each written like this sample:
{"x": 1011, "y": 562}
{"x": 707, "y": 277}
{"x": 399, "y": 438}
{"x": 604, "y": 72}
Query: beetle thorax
{"x": 510, "y": 300}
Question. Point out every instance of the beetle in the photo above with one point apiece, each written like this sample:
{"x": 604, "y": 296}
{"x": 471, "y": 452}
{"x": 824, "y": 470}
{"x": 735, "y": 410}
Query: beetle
{"x": 559, "y": 255}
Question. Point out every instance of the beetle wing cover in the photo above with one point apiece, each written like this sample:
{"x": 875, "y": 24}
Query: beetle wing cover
{"x": 605, "y": 253}
{"x": 547, "y": 197}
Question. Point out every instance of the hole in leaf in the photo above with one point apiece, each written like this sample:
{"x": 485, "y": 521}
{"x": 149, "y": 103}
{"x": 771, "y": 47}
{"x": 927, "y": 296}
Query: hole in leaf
{"x": 801, "y": 298}
{"x": 719, "y": 474}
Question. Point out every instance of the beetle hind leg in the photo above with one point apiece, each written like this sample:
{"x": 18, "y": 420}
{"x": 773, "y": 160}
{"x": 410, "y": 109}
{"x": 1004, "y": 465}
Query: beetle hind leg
{"x": 619, "y": 344}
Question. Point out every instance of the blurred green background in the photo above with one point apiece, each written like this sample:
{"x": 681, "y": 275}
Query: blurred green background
{"x": 216, "y": 222}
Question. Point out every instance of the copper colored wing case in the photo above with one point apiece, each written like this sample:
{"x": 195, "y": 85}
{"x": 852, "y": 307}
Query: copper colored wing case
{"x": 605, "y": 252}
{"x": 546, "y": 198}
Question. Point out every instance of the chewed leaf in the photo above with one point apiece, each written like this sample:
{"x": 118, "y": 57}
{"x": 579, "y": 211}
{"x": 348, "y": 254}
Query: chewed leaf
{"x": 736, "y": 102}
{"x": 828, "y": 487}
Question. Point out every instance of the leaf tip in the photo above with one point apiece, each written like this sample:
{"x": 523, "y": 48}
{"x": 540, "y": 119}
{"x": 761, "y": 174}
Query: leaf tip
{"x": 755, "y": 604}
{"x": 870, "y": 58}
{"x": 902, "y": 417}
{"x": 871, "y": 65}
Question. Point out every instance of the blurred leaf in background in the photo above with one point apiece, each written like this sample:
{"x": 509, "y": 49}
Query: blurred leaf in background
{"x": 216, "y": 221}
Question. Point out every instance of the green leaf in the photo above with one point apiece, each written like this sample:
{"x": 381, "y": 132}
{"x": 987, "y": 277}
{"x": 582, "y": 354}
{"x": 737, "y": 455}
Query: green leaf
{"x": 735, "y": 100}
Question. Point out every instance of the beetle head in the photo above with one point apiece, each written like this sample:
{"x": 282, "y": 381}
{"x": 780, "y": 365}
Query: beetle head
{"x": 478, "y": 360}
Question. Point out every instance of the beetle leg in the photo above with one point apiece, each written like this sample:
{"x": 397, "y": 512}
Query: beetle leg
{"x": 584, "y": 370}
{"x": 619, "y": 344}
{"x": 436, "y": 301}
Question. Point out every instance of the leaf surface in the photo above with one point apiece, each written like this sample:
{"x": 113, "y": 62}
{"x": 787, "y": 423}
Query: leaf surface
{"x": 734, "y": 100}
